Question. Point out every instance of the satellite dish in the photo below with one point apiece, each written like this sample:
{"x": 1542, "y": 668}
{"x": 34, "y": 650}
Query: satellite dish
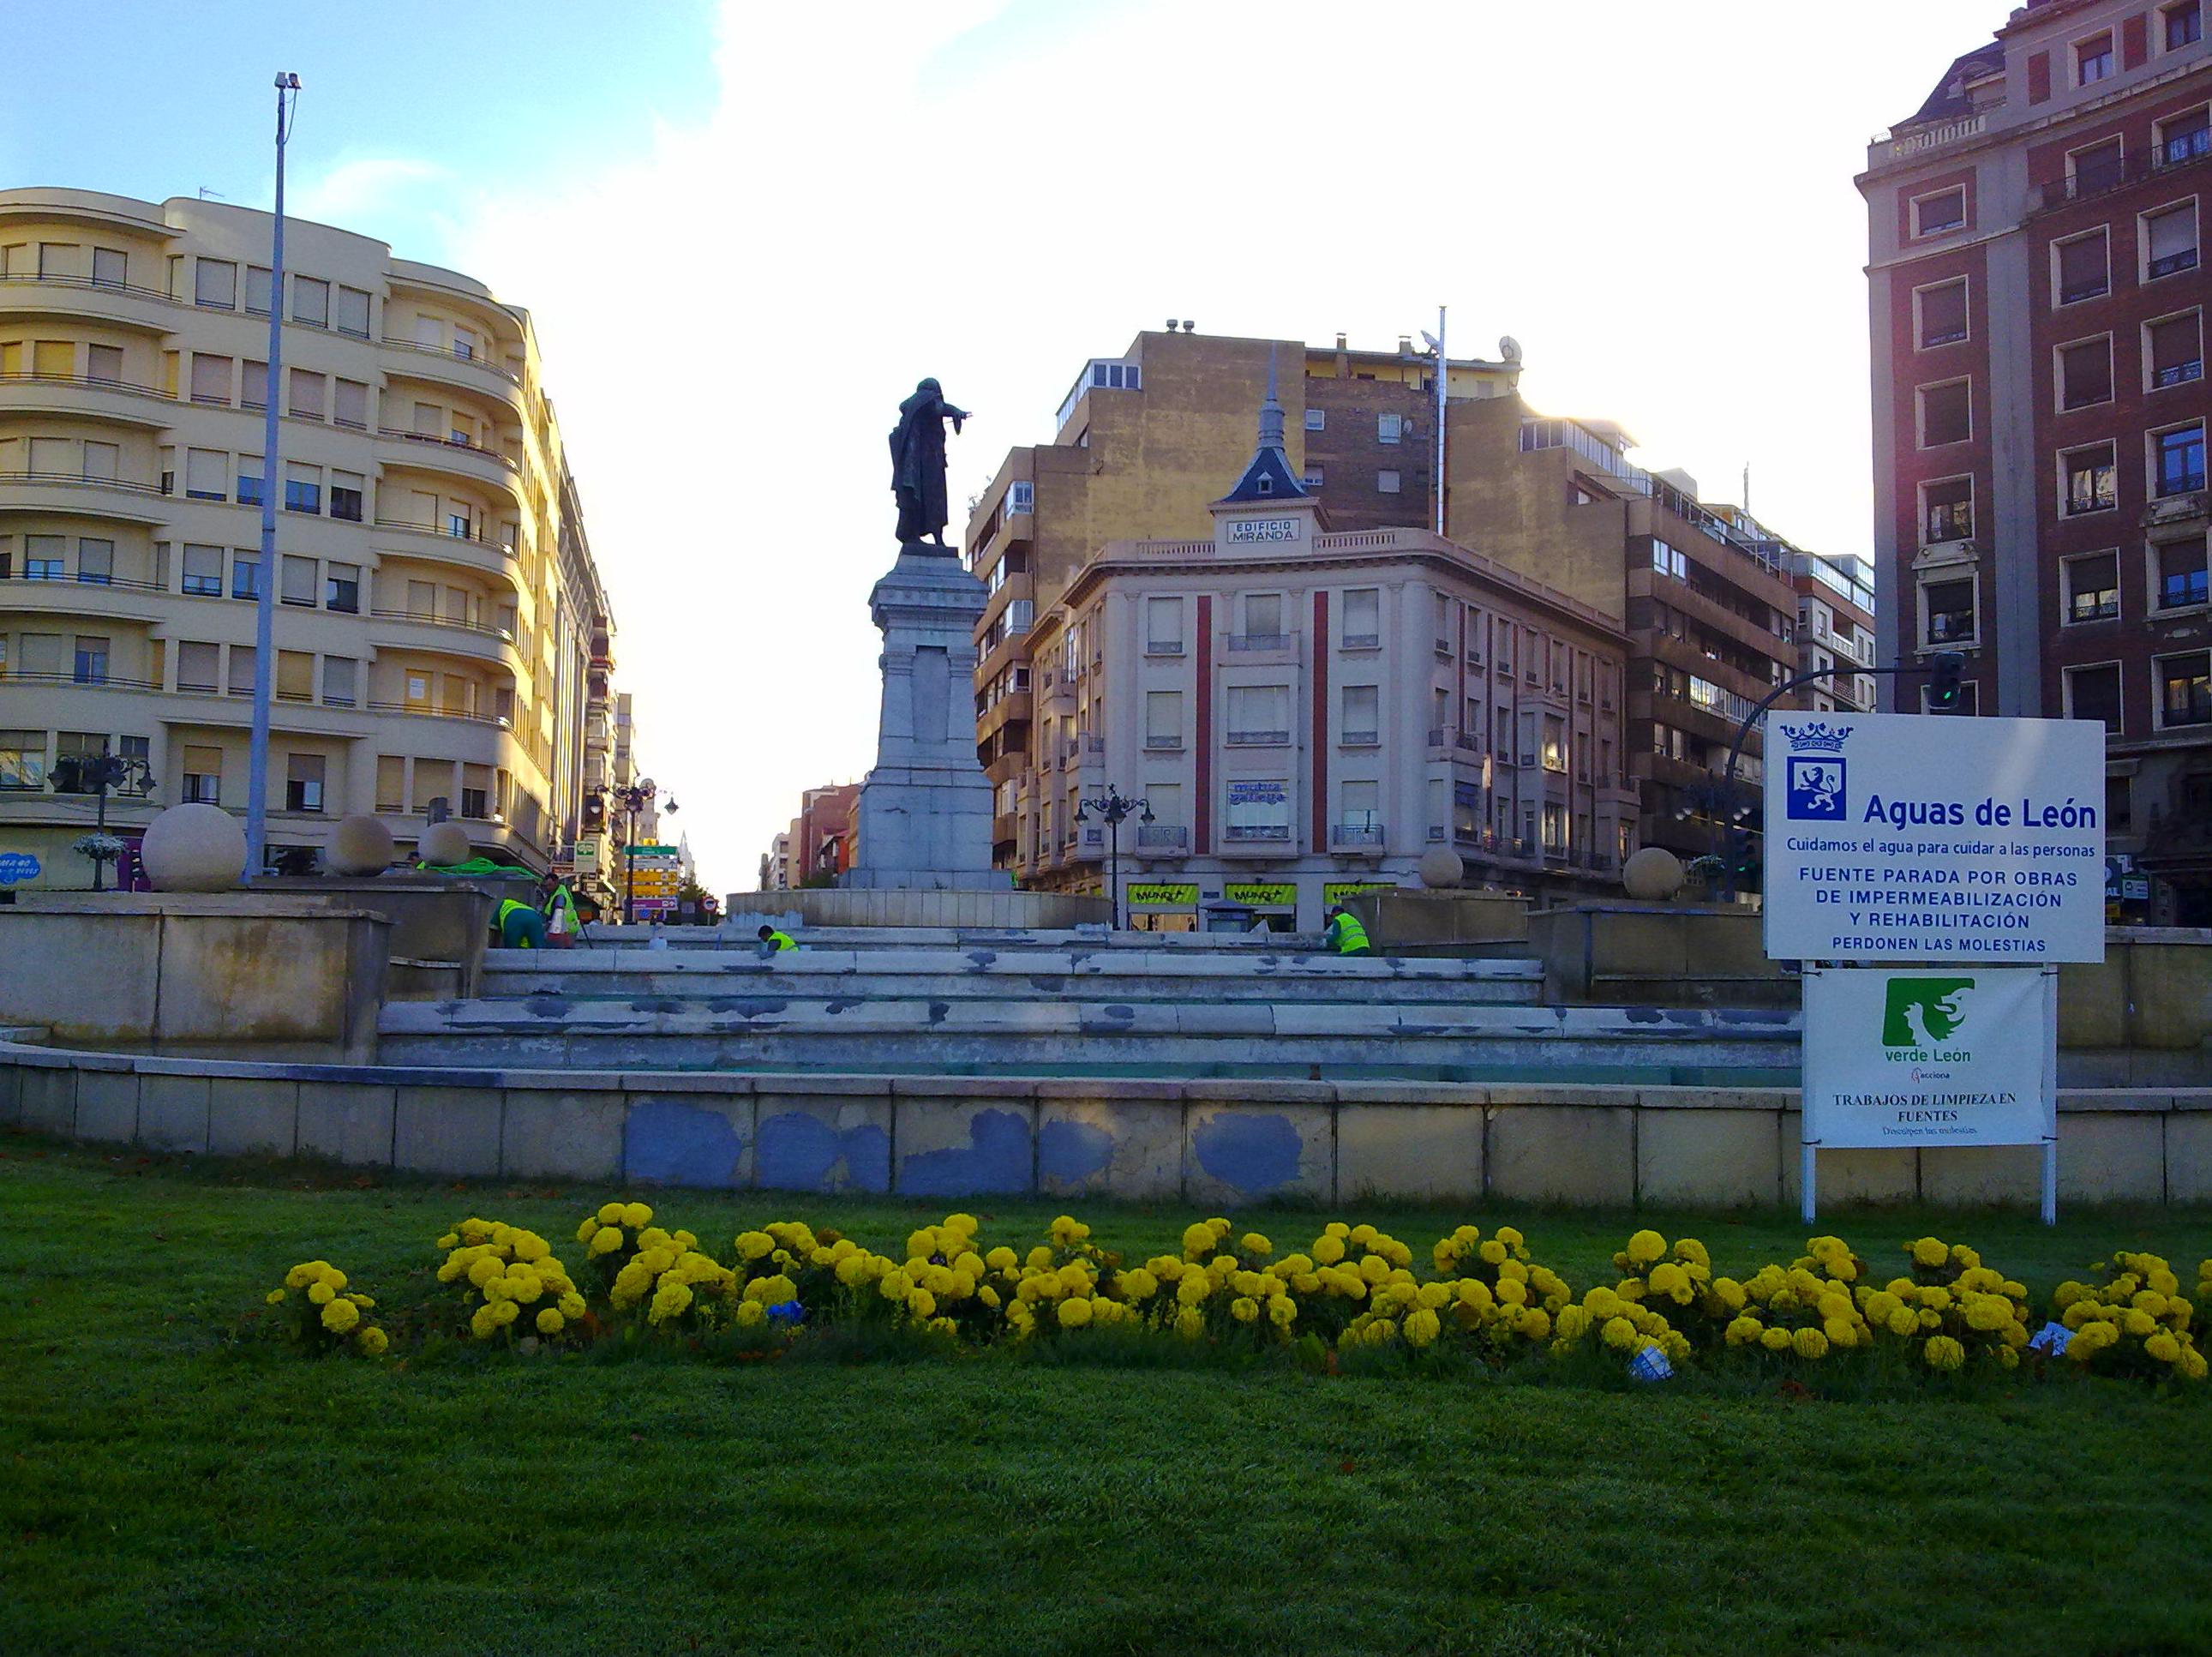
{"x": 1509, "y": 347}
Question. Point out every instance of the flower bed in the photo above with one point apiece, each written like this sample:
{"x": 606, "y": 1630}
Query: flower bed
{"x": 1352, "y": 1295}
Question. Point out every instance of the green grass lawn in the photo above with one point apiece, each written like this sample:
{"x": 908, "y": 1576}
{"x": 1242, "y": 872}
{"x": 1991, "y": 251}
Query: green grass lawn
{"x": 164, "y": 1490}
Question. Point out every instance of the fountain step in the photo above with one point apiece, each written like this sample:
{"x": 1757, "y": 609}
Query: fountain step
{"x": 961, "y": 974}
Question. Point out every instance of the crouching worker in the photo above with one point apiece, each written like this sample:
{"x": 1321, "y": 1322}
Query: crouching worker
{"x": 773, "y": 942}
{"x": 521, "y": 925}
{"x": 1345, "y": 935}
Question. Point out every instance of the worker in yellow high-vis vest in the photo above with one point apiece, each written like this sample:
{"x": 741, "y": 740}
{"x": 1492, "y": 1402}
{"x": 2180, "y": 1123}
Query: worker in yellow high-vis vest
{"x": 776, "y": 941}
{"x": 521, "y": 925}
{"x": 1345, "y": 935}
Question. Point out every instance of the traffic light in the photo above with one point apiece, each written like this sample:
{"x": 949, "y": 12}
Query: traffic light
{"x": 1945, "y": 672}
{"x": 1743, "y": 860}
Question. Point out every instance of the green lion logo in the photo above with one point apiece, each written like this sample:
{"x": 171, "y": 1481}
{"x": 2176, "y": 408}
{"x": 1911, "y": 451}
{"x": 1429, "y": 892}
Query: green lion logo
{"x": 1921, "y": 1012}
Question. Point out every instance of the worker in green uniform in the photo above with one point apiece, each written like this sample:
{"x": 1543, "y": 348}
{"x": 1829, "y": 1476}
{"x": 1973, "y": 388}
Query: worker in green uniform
{"x": 776, "y": 942}
{"x": 521, "y": 926}
{"x": 1345, "y": 935}
{"x": 558, "y": 905}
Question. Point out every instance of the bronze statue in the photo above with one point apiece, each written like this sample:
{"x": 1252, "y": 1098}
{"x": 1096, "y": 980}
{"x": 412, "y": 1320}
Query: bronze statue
{"x": 918, "y": 464}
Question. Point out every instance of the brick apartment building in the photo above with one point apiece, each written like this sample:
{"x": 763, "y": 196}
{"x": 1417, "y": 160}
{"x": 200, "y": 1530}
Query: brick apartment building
{"x": 1147, "y": 440}
{"x": 2036, "y": 307}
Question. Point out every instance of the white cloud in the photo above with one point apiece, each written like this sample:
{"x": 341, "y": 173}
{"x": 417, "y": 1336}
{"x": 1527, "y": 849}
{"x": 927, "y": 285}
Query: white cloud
{"x": 358, "y": 191}
{"x": 1657, "y": 200}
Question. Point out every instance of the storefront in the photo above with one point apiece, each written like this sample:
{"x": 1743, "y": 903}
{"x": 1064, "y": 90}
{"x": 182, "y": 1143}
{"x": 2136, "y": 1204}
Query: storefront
{"x": 1274, "y": 902}
{"x": 1161, "y": 906}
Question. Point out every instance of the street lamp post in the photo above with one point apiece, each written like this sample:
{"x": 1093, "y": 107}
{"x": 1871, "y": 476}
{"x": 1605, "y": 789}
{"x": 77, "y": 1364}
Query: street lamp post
{"x": 1114, "y": 807}
{"x": 265, "y": 599}
{"x": 104, "y": 771}
{"x": 632, "y": 800}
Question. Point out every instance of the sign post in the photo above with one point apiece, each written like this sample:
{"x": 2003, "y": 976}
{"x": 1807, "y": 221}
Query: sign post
{"x": 1959, "y": 852}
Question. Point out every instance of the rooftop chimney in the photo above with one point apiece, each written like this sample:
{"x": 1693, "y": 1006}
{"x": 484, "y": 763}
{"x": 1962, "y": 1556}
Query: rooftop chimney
{"x": 1340, "y": 341}
{"x": 1189, "y": 326}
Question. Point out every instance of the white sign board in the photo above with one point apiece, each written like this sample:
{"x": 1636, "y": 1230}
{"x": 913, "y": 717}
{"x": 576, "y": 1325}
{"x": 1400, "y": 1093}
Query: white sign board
{"x": 1930, "y": 1055}
{"x": 1906, "y": 835}
{"x": 1242, "y": 531}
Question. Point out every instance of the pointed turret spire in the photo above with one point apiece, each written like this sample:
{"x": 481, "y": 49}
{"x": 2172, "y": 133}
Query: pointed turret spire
{"x": 1267, "y": 476}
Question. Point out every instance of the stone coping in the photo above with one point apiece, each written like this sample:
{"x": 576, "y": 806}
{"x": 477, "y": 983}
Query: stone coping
{"x": 24, "y": 1054}
{"x": 226, "y": 905}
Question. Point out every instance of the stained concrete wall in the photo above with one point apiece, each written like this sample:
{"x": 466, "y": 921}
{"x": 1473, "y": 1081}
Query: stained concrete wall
{"x": 181, "y": 972}
{"x": 835, "y": 907}
{"x": 1217, "y": 1142}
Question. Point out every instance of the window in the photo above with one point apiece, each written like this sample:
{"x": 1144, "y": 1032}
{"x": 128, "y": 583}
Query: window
{"x": 2174, "y": 350}
{"x": 303, "y": 487}
{"x": 1263, "y": 619}
{"x": 2169, "y": 239}
{"x": 1945, "y": 211}
{"x": 2093, "y": 59}
{"x": 1259, "y": 713}
{"x": 306, "y": 402}
{"x": 211, "y": 379}
{"x": 475, "y": 802}
{"x": 1312, "y": 476}
{"x": 81, "y": 745}
{"x": 204, "y": 571}
{"x": 2085, "y": 373}
{"x": 350, "y": 405}
{"x": 1947, "y": 609}
{"x": 1362, "y": 720}
{"x": 338, "y": 680}
{"x": 2184, "y": 138}
{"x": 2100, "y": 168}
{"x": 417, "y": 688}
{"x": 1259, "y": 809}
{"x": 91, "y": 664}
{"x": 1163, "y": 719}
{"x": 303, "y": 782}
{"x": 2094, "y": 693}
{"x": 464, "y": 342}
{"x": 1164, "y": 626}
{"x": 2092, "y": 588}
{"x": 95, "y": 561}
{"x": 458, "y": 526}
{"x": 346, "y": 495}
{"x": 1389, "y": 428}
{"x": 249, "y": 480}
{"x": 245, "y": 576}
{"x": 1387, "y": 482}
{"x": 2184, "y": 689}
{"x": 353, "y": 313}
{"x": 253, "y": 385}
{"x": 1669, "y": 561}
{"x": 202, "y": 775}
{"x": 256, "y": 289}
{"x": 242, "y": 669}
{"x": 2178, "y": 458}
{"x": 54, "y": 359}
{"x": 199, "y": 666}
{"x": 1359, "y": 805}
{"x": 2183, "y": 24}
{"x": 342, "y": 586}
{"x": 110, "y": 267}
{"x": 22, "y": 759}
{"x": 207, "y": 472}
{"x": 2092, "y": 479}
{"x": 215, "y": 284}
{"x": 296, "y": 676}
{"x": 311, "y": 301}
{"x": 2181, "y": 574}
{"x": 1946, "y": 415}
{"x": 297, "y": 586}
{"x": 2084, "y": 269}
{"x": 103, "y": 365}
{"x": 101, "y": 459}
{"x": 1021, "y": 497}
{"x": 1942, "y": 314}
{"x": 1316, "y": 419}
{"x": 1363, "y": 618}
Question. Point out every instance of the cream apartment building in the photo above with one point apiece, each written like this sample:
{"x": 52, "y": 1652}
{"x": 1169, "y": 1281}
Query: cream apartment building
{"x": 441, "y": 632}
{"x": 1304, "y": 714}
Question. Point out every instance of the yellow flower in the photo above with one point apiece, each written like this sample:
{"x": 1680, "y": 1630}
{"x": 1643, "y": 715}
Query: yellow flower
{"x": 550, "y": 1322}
{"x": 2163, "y": 1346}
{"x": 1929, "y": 1252}
{"x": 1074, "y": 1312}
{"x": 1809, "y": 1343}
{"x": 636, "y": 1216}
{"x": 339, "y": 1316}
{"x": 749, "y": 1314}
{"x": 1645, "y": 1246}
{"x": 1253, "y": 1243}
{"x": 321, "y": 1294}
{"x": 583, "y": 1231}
{"x": 606, "y": 1239}
{"x": 1775, "y": 1340}
{"x": 1327, "y": 1249}
{"x": 1197, "y": 1240}
{"x": 1619, "y": 1334}
{"x": 1941, "y": 1352}
{"x": 1492, "y": 1252}
{"x": 1421, "y": 1327}
{"x": 372, "y": 1341}
{"x": 275, "y": 1297}
{"x": 1245, "y": 1308}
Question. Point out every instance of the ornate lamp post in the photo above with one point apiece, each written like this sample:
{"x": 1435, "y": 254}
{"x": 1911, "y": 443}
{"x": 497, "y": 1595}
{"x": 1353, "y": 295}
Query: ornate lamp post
{"x": 634, "y": 800}
{"x": 97, "y": 774}
{"x": 1114, "y": 807}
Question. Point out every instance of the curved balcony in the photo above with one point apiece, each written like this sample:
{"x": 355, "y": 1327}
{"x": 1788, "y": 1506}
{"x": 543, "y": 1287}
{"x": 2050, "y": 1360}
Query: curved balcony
{"x": 443, "y": 454}
{"x": 75, "y": 496}
{"x": 476, "y": 374}
{"x": 81, "y": 397}
{"x": 110, "y": 599}
{"x": 478, "y": 552}
{"x": 81, "y": 299}
{"x": 421, "y": 710}
{"x": 410, "y": 629}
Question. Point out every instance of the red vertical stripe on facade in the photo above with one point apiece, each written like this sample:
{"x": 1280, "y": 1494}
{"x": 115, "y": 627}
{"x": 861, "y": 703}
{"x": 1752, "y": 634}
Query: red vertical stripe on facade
{"x": 2135, "y": 41}
{"x": 1202, "y": 834}
{"x": 1321, "y": 722}
{"x": 2038, "y": 78}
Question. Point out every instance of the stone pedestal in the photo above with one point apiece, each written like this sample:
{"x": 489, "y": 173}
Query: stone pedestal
{"x": 925, "y": 817}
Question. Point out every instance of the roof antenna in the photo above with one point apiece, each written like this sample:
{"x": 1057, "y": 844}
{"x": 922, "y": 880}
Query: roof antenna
{"x": 205, "y": 193}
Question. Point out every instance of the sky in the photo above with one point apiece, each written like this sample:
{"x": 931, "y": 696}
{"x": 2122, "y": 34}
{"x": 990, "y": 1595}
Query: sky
{"x": 744, "y": 231}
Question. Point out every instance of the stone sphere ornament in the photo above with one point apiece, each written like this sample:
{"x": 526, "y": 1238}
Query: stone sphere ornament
{"x": 1652, "y": 875}
{"x": 360, "y": 845}
{"x": 1441, "y": 867}
{"x": 195, "y": 847}
{"x": 444, "y": 845}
